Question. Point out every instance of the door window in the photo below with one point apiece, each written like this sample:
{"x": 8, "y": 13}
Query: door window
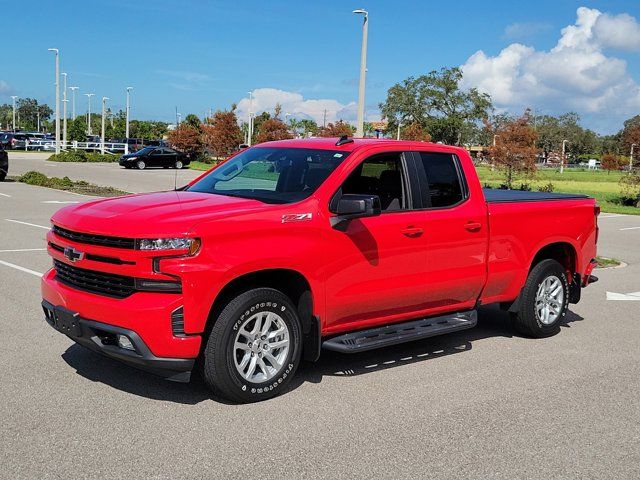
{"x": 443, "y": 176}
{"x": 381, "y": 175}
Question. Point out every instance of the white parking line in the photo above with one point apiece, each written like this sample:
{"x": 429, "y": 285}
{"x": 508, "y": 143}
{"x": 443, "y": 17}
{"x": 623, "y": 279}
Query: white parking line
{"x": 612, "y": 216}
{"x": 22, "y": 269}
{"x": 61, "y": 201}
{"x": 630, "y": 228}
{"x": 27, "y": 223}
{"x": 5, "y": 195}
{"x": 23, "y": 250}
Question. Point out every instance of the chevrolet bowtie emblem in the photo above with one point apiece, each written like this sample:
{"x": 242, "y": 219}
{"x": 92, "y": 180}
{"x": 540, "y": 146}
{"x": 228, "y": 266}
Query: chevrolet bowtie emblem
{"x": 72, "y": 254}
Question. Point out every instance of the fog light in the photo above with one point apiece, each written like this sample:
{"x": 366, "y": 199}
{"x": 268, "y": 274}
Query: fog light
{"x": 124, "y": 342}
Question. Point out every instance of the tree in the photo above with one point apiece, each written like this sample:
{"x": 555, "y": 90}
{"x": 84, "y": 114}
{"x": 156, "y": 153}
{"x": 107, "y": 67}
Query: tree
{"x": 631, "y": 135}
{"x": 273, "y": 129}
{"x": 193, "y": 121}
{"x": 415, "y": 132}
{"x": 515, "y": 151}
{"x": 437, "y": 102}
{"x": 337, "y": 129}
{"x": 308, "y": 127}
{"x": 223, "y": 135}
{"x": 186, "y": 138}
{"x": 610, "y": 162}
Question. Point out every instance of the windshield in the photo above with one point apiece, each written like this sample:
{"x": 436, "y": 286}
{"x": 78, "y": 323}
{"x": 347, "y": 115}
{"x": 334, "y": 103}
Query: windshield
{"x": 272, "y": 175}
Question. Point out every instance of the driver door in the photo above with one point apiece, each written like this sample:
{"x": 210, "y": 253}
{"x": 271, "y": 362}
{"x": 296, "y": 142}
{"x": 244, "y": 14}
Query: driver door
{"x": 376, "y": 266}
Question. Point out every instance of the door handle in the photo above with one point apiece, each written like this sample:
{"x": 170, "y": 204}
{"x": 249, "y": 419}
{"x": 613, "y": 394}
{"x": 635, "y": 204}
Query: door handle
{"x": 411, "y": 231}
{"x": 473, "y": 226}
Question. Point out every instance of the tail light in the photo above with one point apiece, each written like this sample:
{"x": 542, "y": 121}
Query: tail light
{"x": 13, "y": 142}
{"x": 596, "y": 212}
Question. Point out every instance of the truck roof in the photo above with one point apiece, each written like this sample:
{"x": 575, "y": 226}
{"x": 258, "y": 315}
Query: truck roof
{"x": 329, "y": 143}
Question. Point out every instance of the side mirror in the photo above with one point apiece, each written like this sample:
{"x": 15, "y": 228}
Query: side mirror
{"x": 350, "y": 206}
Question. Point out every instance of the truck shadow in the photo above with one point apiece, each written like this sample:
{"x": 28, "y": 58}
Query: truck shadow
{"x": 491, "y": 323}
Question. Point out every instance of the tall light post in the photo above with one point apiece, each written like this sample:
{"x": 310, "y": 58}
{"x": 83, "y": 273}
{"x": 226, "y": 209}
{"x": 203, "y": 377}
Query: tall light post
{"x": 104, "y": 111}
{"x": 64, "y": 110}
{"x": 89, "y": 95}
{"x": 38, "y": 115}
{"x": 564, "y": 148}
{"x": 13, "y": 97}
{"x": 56, "y": 51}
{"x": 250, "y": 128}
{"x": 633, "y": 145}
{"x": 73, "y": 102}
{"x": 363, "y": 72}
{"x": 128, "y": 107}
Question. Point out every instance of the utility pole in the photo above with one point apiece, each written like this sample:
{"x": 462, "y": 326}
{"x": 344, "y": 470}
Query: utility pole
{"x": 73, "y": 102}
{"x": 127, "y": 112}
{"x": 56, "y": 51}
{"x": 89, "y": 95}
{"x": 363, "y": 72}
{"x": 38, "y": 115}
{"x": 324, "y": 119}
{"x": 564, "y": 143}
{"x": 250, "y": 129}
{"x": 633, "y": 145}
{"x": 13, "y": 97}
{"x": 104, "y": 103}
{"x": 64, "y": 110}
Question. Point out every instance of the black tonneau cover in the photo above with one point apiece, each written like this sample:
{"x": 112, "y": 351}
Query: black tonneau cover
{"x": 496, "y": 195}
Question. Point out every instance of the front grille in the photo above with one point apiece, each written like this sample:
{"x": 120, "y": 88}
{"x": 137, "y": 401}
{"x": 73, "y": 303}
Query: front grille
{"x": 103, "y": 240}
{"x": 96, "y": 258}
{"x": 108, "y": 284}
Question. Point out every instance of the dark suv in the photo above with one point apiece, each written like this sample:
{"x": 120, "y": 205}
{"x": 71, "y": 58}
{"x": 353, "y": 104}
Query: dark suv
{"x": 10, "y": 140}
{"x": 4, "y": 164}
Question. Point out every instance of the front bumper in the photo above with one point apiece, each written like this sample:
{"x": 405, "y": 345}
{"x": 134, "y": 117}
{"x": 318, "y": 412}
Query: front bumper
{"x": 102, "y": 338}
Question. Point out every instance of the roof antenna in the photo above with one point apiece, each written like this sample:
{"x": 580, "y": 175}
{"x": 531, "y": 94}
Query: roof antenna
{"x": 344, "y": 139}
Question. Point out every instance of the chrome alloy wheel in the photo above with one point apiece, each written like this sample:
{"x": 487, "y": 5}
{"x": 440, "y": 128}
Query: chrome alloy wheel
{"x": 261, "y": 347}
{"x": 549, "y": 300}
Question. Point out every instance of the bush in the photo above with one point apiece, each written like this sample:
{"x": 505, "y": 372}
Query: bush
{"x": 34, "y": 178}
{"x": 630, "y": 186}
{"x": 524, "y": 187}
{"x": 548, "y": 188}
{"x": 82, "y": 156}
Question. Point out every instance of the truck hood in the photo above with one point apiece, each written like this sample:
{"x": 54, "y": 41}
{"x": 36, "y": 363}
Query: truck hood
{"x": 151, "y": 214}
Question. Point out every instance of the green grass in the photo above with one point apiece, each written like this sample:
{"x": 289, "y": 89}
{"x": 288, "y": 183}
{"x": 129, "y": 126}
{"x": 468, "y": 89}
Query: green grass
{"x": 600, "y": 184}
{"x": 78, "y": 186}
{"x": 607, "y": 262}
{"x": 197, "y": 165}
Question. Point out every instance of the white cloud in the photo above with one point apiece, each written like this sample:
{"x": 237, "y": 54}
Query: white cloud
{"x": 265, "y": 100}
{"x": 522, "y": 30}
{"x": 5, "y": 88}
{"x": 577, "y": 74}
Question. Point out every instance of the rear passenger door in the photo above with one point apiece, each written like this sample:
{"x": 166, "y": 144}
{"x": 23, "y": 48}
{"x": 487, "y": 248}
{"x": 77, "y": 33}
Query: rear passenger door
{"x": 456, "y": 233}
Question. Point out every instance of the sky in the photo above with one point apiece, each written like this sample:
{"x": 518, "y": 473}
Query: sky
{"x": 552, "y": 56}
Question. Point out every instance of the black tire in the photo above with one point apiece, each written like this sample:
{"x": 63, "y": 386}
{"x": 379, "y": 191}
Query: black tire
{"x": 141, "y": 165}
{"x": 527, "y": 321}
{"x": 219, "y": 357}
{"x": 178, "y": 165}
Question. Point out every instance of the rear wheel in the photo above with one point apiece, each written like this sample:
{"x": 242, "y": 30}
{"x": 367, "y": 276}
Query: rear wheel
{"x": 544, "y": 301}
{"x": 178, "y": 164}
{"x": 254, "y": 347}
{"x": 141, "y": 165}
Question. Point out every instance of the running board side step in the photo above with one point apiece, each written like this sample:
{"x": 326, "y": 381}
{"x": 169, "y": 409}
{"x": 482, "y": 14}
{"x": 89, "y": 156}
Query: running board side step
{"x": 394, "y": 334}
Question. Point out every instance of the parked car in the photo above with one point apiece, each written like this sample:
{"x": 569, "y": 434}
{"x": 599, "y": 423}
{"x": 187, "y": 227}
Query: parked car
{"x": 4, "y": 164}
{"x": 12, "y": 141}
{"x": 295, "y": 246}
{"x": 155, "y": 157}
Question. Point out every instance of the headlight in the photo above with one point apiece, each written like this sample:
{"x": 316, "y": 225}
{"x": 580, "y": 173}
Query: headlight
{"x": 191, "y": 245}
{"x": 131, "y": 158}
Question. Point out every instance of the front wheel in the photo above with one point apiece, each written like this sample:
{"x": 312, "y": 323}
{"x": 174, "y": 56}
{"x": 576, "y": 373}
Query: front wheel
{"x": 254, "y": 347}
{"x": 544, "y": 302}
{"x": 141, "y": 165}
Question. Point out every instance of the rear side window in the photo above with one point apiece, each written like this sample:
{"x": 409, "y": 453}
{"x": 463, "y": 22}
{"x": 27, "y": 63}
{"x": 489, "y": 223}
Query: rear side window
{"x": 443, "y": 176}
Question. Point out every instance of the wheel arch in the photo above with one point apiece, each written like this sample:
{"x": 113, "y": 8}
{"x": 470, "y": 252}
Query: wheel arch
{"x": 563, "y": 252}
{"x": 290, "y": 282}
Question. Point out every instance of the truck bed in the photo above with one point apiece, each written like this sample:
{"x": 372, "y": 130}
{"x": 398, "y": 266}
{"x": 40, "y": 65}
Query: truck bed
{"x": 495, "y": 195}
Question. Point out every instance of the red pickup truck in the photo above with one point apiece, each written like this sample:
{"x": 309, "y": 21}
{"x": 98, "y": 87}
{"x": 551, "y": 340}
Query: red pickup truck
{"x": 291, "y": 247}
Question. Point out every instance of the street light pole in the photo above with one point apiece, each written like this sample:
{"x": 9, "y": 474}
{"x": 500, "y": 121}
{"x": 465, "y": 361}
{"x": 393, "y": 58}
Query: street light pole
{"x": 64, "y": 110}
{"x": 250, "y": 129}
{"x": 89, "y": 95}
{"x": 363, "y": 72}
{"x": 73, "y": 102}
{"x": 564, "y": 143}
{"x": 13, "y": 97}
{"x": 56, "y": 51}
{"x": 633, "y": 145}
{"x": 104, "y": 103}
{"x": 128, "y": 107}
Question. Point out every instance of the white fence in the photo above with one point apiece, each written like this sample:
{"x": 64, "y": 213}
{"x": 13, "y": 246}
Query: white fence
{"x": 50, "y": 146}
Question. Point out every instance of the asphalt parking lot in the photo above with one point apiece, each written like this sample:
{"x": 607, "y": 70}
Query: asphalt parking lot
{"x": 482, "y": 403}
